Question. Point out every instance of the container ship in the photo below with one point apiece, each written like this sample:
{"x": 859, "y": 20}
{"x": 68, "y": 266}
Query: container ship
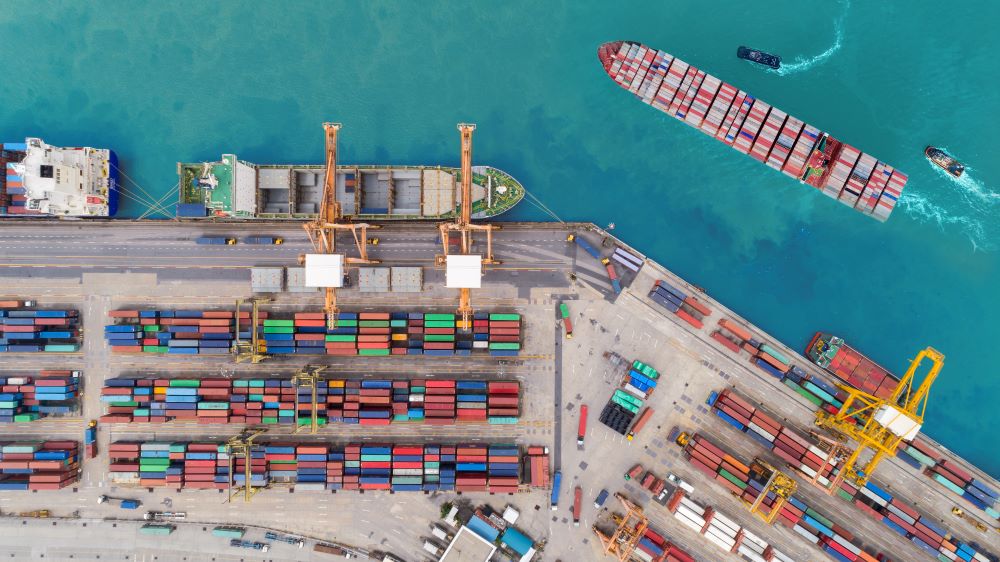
{"x": 235, "y": 189}
{"x": 46, "y": 180}
{"x": 849, "y": 365}
{"x": 751, "y": 126}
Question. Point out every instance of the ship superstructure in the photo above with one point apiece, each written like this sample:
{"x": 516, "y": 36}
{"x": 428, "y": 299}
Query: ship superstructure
{"x": 236, "y": 189}
{"x": 753, "y": 127}
{"x": 46, "y": 180}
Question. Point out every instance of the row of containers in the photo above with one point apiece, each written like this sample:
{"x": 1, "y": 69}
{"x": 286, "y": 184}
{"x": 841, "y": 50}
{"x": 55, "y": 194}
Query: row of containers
{"x": 28, "y": 397}
{"x": 38, "y": 465}
{"x": 685, "y": 306}
{"x": 273, "y": 401}
{"x": 721, "y": 530}
{"x": 28, "y": 330}
{"x": 653, "y": 546}
{"x": 802, "y": 455}
{"x": 204, "y": 332}
{"x": 821, "y": 393}
{"x": 314, "y": 466}
{"x": 623, "y": 407}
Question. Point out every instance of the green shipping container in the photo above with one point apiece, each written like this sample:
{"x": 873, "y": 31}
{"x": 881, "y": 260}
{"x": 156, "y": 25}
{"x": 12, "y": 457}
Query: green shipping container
{"x": 373, "y": 323}
{"x": 439, "y": 337}
{"x": 229, "y": 532}
{"x": 347, "y": 323}
{"x": 279, "y": 330}
{"x": 802, "y": 392}
{"x": 62, "y": 348}
{"x": 818, "y": 392}
{"x": 283, "y": 323}
{"x": 505, "y": 345}
{"x": 844, "y": 495}
{"x": 948, "y": 484}
{"x": 341, "y": 337}
{"x": 374, "y": 352}
{"x": 26, "y": 417}
{"x": 185, "y": 383}
{"x": 563, "y": 310}
{"x": 439, "y": 324}
{"x": 506, "y": 317}
{"x": 774, "y": 353}
{"x": 213, "y": 405}
{"x": 397, "y": 323}
{"x": 732, "y": 478}
{"x": 433, "y": 317}
{"x": 151, "y": 328}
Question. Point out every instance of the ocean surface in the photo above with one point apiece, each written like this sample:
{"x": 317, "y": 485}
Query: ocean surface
{"x": 188, "y": 81}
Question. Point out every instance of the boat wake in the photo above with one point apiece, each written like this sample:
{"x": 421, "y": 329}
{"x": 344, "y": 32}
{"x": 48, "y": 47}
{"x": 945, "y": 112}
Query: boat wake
{"x": 800, "y": 64}
{"x": 974, "y": 190}
{"x": 973, "y": 227}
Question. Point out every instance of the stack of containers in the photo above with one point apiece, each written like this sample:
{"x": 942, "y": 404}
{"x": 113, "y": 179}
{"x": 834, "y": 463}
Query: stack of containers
{"x": 800, "y": 453}
{"x": 627, "y": 259}
{"x": 503, "y": 469}
{"x": 90, "y": 441}
{"x": 181, "y": 332}
{"x": 687, "y": 308}
{"x": 641, "y": 379}
{"x": 366, "y": 334}
{"x": 731, "y": 335}
{"x": 654, "y": 547}
{"x": 504, "y": 334}
{"x": 947, "y": 473}
{"x": 34, "y": 331}
{"x": 536, "y": 467}
{"x": 272, "y": 401}
{"x": 721, "y": 530}
{"x": 503, "y": 402}
{"x": 620, "y": 411}
{"x": 30, "y": 397}
{"x": 771, "y": 361}
{"x": 39, "y": 465}
{"x": 470, "y": 468}
{"x": 312, "y": 466}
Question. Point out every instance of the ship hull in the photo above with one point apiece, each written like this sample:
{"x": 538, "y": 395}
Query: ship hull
{"x": 235, "y": 189}
{"x": 755, "y": 128}
{"x": 850, "y": 366}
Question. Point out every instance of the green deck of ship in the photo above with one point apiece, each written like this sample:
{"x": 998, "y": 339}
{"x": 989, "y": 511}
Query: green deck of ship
{"x": 218, "y": 199}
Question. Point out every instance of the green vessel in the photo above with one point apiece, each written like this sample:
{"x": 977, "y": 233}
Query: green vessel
{"x": 234, "y": 189}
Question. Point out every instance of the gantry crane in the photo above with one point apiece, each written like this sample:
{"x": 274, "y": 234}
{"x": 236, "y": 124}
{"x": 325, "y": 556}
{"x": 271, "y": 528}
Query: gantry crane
{"x": 836, "y": 451}
{"x": 307, "y": 378}
{"x": 322, "y": 231}
{"x": 254, "y": 350}
{"x": 463, "y": 222}
{"x": 880, "y": 424}
{"x": 778, "y": 483}
{"x": 631, "y": 527}
{"x": 241, "y": 446}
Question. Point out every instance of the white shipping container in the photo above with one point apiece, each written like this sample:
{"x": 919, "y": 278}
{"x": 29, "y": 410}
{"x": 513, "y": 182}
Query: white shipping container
{"x": 750, "y": 554}
{"x": 691, "y": 515}
{"x": 760, "y": 431}
{"x": 846, "y": 543}
{"x": 721, "y": 529}
{"x": 874, "y": 497}
{"x": 948, "y": 554}
{"x": 640, "y": 555}
{"x": 806, "y": 534}
{"x": 752, "y": 538}
{"x": 685, "y": 520}
{"x": 780, "y": 557}
{"x": 900, "y": 514}
{"x": 727, "y": 522}
{"x": 686, "y": 501}
{"x": 724, "y": 545}
{"x": 806, "y": 470}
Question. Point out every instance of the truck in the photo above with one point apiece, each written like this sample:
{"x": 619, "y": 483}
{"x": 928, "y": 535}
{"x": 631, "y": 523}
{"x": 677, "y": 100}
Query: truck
{"x": 266, "y": 240}
{"x": 567, "y": 323}
{"x": 229, "y": 532}
{"x": 585, "y": 245}
{"x": 90, "y": 439}
{"x": 634, "y": 472}
{"x": 556, "y": 481}
{"x": 577, "y": 496}
{"x": 432, "y": 548}
{"x": 157, "y": 529}
{"x": 122, "y": 503}
{"x": 261, "y": 546}
{"x": 581, "y": 430}
{"x": 165, "y": 516}
{"x": 333, "y": 549}
{"x": 289, "y": 539}
{"x": 637, "y": 427}
{"x": 601, "y": 498}
{"x": 215, "y": 241}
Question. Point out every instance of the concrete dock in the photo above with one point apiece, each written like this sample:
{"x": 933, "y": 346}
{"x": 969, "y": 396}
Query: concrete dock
{"x": 99, "y": 267}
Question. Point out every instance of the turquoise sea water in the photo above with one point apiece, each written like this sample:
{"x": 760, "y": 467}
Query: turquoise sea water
{"x": 165, "y": 82}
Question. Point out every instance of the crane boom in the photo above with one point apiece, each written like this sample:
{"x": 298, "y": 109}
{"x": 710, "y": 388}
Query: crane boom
{"x": 878, "y": 424}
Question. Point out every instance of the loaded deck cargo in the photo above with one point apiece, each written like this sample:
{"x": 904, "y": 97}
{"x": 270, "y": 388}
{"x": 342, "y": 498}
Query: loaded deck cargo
{"x": 754, "y": 127}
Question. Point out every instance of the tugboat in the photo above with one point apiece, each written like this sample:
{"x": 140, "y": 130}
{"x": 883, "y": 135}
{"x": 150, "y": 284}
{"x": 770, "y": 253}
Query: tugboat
{"x": 760, "y": 57}
{"x": 944, "y": 161}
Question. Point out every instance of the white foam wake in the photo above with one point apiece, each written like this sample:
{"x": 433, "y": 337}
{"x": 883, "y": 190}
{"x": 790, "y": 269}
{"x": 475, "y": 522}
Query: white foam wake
{"x": 923, "y": 209}
{"x": 801, "y": 64}
{"x": 975, "y": 191}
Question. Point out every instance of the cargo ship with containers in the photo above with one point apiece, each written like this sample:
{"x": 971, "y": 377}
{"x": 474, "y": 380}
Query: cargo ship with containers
{"x": 42, "y": 180}
{"x": 749, "y": 125}
{"x": 850, "y": 366}
{"x": 235, "y": 189}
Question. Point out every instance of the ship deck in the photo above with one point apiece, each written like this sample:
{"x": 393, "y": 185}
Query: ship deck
{"x": 148, "y": 265}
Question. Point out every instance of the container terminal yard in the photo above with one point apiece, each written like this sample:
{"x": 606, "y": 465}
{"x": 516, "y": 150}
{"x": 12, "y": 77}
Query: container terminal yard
{"x": 99, "y": 268}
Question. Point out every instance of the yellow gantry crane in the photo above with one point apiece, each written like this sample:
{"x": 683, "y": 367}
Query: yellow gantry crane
{"x": 878, "y": 424}
{"x": 322, "y": 231}
{"x": 631, "y": 527}
{"x": 779, "y": 483}
{"x": 241, "y": 447}
{"x": 307, "y": 379}
{"x": 463, "y": 223}
{"x": 254, "y": 350}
